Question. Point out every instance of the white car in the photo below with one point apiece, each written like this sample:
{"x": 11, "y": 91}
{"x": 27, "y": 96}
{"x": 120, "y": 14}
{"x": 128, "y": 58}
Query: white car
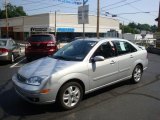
{"x": 78, "y": 68}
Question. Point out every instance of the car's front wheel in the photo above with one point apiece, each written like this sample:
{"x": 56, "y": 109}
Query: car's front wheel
{"x": 70, "y": 95}
{"x": 137, "y": 74}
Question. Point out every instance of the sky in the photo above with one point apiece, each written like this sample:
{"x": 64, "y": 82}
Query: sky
{"x": 124, "y": 9}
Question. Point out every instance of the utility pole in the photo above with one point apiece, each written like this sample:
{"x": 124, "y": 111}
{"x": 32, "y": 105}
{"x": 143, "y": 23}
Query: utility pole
{"x": 123, "y": 30}
{"x": 56, "y": 24}
{"x": 98, "y": 12}
{"x": 6, "y": 18}
{"x": 83, "y": 22}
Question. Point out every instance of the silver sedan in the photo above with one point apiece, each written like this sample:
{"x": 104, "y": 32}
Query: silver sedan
{"x": 9, "y": 50}
{"x": 78, "y": 68}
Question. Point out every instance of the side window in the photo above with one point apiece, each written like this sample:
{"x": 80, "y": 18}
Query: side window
{"x": 124, "y": 47}
{"x": 105, "y": 50}
{"x": 131, "y": 47}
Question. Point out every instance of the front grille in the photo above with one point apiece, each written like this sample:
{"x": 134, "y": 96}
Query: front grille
{"x": 21, "y": 78}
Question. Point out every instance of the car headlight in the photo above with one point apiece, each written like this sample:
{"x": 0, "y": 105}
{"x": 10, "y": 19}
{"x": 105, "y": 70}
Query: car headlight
{"x": 35, "y": 80}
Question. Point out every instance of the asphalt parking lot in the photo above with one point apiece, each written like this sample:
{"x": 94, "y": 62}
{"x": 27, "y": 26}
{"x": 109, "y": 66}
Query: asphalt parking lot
{"x": 123, "y": 101}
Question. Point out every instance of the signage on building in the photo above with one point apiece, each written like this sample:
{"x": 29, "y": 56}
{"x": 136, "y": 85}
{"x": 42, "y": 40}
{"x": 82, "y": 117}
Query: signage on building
{"x": 77, "y": 2}
{"x": 43, "y": 29}
{"x": 18, "y": 29}
{"x": 65, "y": 29}
{"x": 83, "y": 14}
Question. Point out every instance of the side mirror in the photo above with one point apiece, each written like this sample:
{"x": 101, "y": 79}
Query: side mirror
{"x": 97, "y": 58}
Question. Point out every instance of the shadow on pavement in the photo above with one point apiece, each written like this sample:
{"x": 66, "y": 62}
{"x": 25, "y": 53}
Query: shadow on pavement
{"x": 3, "y": 63}
{"x": 107, "y": 89}
{"x": 13, "y": 105}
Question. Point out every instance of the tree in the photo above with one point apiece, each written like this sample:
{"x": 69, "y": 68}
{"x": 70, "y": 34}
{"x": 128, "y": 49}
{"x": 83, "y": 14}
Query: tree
{"x": 132, "y": 25}
{"x": 154, "y": 28}
{"x": 137, "y": 28}
{"x": 13, "y": 11}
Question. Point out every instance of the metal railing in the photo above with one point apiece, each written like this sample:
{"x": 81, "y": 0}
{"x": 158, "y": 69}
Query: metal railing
{"x": 145, "y": 43}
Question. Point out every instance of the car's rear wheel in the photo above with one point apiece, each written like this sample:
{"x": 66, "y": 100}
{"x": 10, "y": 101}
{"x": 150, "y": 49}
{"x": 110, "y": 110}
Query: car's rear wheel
{"x": 70, "y": 95}
{"x": 137, "y": 74}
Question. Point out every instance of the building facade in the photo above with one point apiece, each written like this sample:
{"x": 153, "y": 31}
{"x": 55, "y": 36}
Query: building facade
{"x": 66, "y": 25}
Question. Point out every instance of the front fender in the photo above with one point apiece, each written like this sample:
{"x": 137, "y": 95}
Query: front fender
{"x": 80, "y": 76}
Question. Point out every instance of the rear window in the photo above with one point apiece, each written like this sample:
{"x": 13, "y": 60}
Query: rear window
{"x": 40, "y": 38}
{"x": 3, "y": 43}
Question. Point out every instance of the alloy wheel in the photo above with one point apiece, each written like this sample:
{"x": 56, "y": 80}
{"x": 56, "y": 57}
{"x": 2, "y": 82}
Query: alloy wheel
{"x": 137, "y": 74}
{"x": 71, "y": 96}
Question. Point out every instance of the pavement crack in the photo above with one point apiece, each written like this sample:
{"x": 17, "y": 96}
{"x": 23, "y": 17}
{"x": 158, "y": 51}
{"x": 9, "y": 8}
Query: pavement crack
{"x": 146, "y": 95}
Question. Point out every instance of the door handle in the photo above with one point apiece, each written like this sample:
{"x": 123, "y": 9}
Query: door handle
{"x": 112, "y": 62}
{"x": 131, "y": 56}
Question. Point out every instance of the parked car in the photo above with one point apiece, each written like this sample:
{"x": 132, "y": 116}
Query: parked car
{"x": 40, "y": 45}
{"x": 78, "y": 68}
{"x": 9, "y": 50}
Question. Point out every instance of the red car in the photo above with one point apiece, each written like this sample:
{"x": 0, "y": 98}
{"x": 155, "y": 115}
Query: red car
{"x": 40, "y": 46}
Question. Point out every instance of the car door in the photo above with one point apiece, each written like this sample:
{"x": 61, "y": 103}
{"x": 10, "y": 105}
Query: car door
{"x": 126, "y": 58}
{"x": 103, "y": 72}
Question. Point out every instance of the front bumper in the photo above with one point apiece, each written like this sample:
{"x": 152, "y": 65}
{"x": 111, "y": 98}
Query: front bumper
{"x": 33, "y": 96}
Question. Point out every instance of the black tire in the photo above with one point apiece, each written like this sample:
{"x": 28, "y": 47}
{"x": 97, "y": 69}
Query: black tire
{"x": 71, "y": 98}
{"x": 137, "y": 74}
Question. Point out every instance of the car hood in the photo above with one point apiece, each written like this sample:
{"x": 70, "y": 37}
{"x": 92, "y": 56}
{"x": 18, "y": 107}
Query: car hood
{"x": 44, "y": 67}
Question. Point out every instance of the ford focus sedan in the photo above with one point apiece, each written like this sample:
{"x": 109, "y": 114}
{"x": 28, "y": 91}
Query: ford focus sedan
{"x": 78, "y": 68}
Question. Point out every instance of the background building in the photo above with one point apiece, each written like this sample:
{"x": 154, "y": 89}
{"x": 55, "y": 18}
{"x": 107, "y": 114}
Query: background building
{"x": 132, "y": 37}
{"x": 67, "y": 26}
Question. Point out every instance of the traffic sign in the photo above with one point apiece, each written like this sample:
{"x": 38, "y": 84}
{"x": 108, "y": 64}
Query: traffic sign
{"x": 83, "y": 14}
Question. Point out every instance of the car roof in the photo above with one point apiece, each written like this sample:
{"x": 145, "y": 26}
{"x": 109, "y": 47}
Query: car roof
{"x": 103, "y": 39}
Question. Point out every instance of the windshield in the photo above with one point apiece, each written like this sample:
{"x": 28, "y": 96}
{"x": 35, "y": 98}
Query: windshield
{"x": 75, "y": 51}
{"x": 3, "y": 42}
{"x": 40, "y": 38}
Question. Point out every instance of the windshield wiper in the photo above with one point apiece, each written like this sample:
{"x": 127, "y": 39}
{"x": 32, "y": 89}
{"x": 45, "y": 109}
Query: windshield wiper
{"x": 61, "y": 58}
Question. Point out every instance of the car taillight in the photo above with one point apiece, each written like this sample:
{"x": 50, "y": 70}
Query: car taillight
{"x": 3, "y": 50}
{"x": 50, "y": 44}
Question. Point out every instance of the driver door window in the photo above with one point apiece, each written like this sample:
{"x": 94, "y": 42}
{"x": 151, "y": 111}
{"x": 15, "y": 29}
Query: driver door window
{"x": 106, "y": 50}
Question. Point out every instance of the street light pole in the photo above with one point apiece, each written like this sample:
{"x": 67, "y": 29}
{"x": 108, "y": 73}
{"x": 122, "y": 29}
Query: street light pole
{"x": 6, "y": 18}
{"x": 98, "y": 18}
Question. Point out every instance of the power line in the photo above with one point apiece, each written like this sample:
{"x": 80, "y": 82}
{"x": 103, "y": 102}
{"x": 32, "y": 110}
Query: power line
{"x": 140, "y": 10}
{"x": 131, "y": 13}
{"x": 124, "y": 4}
{"x": 113, "y": 4}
